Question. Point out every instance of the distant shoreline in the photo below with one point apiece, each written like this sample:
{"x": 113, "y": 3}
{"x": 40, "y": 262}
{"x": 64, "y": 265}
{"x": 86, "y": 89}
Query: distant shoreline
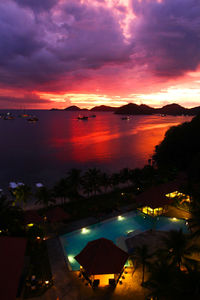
{"x": 134, "y": 109}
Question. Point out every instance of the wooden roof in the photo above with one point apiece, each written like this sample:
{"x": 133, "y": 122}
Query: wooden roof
{"x": 102, "y": 256}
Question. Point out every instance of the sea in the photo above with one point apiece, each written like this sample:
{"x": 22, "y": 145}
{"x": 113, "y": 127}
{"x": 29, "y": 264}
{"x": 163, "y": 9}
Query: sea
{"x": 46, "y": 150}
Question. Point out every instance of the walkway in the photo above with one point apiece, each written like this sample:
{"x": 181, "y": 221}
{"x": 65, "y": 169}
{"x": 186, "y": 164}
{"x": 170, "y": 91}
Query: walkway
{"x": 67, "y": 285}
{"x": 177, "y": 213}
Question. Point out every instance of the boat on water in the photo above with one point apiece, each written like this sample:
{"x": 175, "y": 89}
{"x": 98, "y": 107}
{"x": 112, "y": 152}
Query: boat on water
{"x": 33, "y": 119}
{"x": 8, "y": 116}
{"x": 24, "y": 115}
{"x": 84, "y": 118}
{"x": 126, "y": 118}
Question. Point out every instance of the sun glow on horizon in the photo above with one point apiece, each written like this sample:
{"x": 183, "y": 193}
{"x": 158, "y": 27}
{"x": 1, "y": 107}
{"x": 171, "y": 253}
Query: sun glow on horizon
{"x": 188, "y": 97}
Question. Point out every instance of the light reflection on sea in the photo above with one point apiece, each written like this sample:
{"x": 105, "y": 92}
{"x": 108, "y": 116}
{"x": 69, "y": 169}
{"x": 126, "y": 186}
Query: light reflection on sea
{"x": 46, "y": 150}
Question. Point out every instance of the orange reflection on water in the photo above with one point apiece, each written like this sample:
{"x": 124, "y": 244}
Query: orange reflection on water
{"x": 148, "y": 137}
{"x": 95, "y": 142}
{"x": 108, "y": 140}
{"x": 86, "y": 140}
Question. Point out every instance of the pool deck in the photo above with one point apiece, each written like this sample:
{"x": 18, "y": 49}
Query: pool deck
{"x": 174, "y": 212}
{"x": 75, "y": 225}
{"x": 67, "y": 285}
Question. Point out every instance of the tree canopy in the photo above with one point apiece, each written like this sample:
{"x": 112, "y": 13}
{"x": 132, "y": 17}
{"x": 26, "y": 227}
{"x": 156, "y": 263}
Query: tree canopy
{"x": 180, "y": 148}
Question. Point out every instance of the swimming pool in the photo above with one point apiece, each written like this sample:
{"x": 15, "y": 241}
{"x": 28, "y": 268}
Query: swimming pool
{"x": 111, "y": 229}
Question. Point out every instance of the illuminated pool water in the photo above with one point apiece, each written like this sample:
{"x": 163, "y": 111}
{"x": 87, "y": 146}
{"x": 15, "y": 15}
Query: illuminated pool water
{"x": 111, "y": 229}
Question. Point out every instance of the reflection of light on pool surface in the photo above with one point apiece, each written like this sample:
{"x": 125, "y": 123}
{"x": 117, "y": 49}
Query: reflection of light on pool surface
{"x": 174, "y": 219}
{"x": 112, "y": 229}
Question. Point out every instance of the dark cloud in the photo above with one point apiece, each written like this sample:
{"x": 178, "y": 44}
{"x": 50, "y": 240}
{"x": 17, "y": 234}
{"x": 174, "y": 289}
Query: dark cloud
{"x": 37, "y": 5}
{"x": 52, "y": 44}
{"x": 30, "y": 98}
{"x": 167, "y": 35}
{"x": 35, "y": 50}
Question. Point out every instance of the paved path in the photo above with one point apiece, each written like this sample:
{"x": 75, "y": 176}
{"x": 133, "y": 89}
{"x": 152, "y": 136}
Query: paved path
{"x": 64, "y": 287}
{"x": 177, "y": 213}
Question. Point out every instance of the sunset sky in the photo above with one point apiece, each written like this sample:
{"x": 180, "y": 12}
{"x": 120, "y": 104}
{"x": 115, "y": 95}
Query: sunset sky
{"x": 56, "y": 53}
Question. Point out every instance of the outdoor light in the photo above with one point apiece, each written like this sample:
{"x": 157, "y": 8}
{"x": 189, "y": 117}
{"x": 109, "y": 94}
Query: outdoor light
{"x": 120, "y": 218}
{"x": 30, "y": 225}
{"x": 46, "y": 281}
{"x": 84, "y": 230}
{"x": 71, "y": 258}
{"x": 129, "y": 231}
{"x": 174, "y": 219}
{"x": 38, "y": 237}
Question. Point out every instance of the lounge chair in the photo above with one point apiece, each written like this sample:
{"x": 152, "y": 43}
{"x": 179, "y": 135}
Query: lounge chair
{"x": 112, "y": 282}
{"x": 95, "y": 283}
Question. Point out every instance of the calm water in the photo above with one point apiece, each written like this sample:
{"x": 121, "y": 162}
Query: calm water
{"x": 74, "y": 242}
{"x": 46, "y": 150}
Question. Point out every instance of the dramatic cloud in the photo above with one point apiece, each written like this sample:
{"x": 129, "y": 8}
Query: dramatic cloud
{"x": 167, "y": 35}
{"x": 103, "y": 47}
{"x": 36, "y": 5}
{"x": 73, "y": 37}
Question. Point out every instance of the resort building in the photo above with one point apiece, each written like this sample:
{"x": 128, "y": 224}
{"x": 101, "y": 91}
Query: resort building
{"x": 155, "y": 201}
{"x": 102, "y": 262}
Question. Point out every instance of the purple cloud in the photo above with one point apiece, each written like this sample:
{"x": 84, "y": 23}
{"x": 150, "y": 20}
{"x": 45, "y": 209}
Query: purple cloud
{"x": 54, "y": 45}
{"x": 38, "y": 48}
{"x": 37, "y": 5}
{"x": 167, "y": 35}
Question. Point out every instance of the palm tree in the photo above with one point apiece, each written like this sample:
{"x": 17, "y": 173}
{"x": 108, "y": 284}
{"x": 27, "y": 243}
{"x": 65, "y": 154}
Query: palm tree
{"x": 105, "y": 181}
{"x": 178, "y": 246}
{"x": 167, "y": 282}
{"x": 115, "y": 180}
{"x": 86, "y": 186}
{"x": 11, "y": 218}
{"x": 44, "y": 196}
{"x": 124, "y": 175}
{"x": 148, "y": 174}
{"x": 93, "y": 178}
{"x": 61, "y": 189}
{"x": 74, "y": 180}
{"x": 142, "y": 256}
{"x": 22, "y": 193}
{"x": 163, "y": 280}
{"x": 136, "y": 177}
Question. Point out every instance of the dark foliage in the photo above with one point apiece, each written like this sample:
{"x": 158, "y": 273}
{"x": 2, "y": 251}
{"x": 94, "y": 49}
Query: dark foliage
{"x": 180, "y": 148}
